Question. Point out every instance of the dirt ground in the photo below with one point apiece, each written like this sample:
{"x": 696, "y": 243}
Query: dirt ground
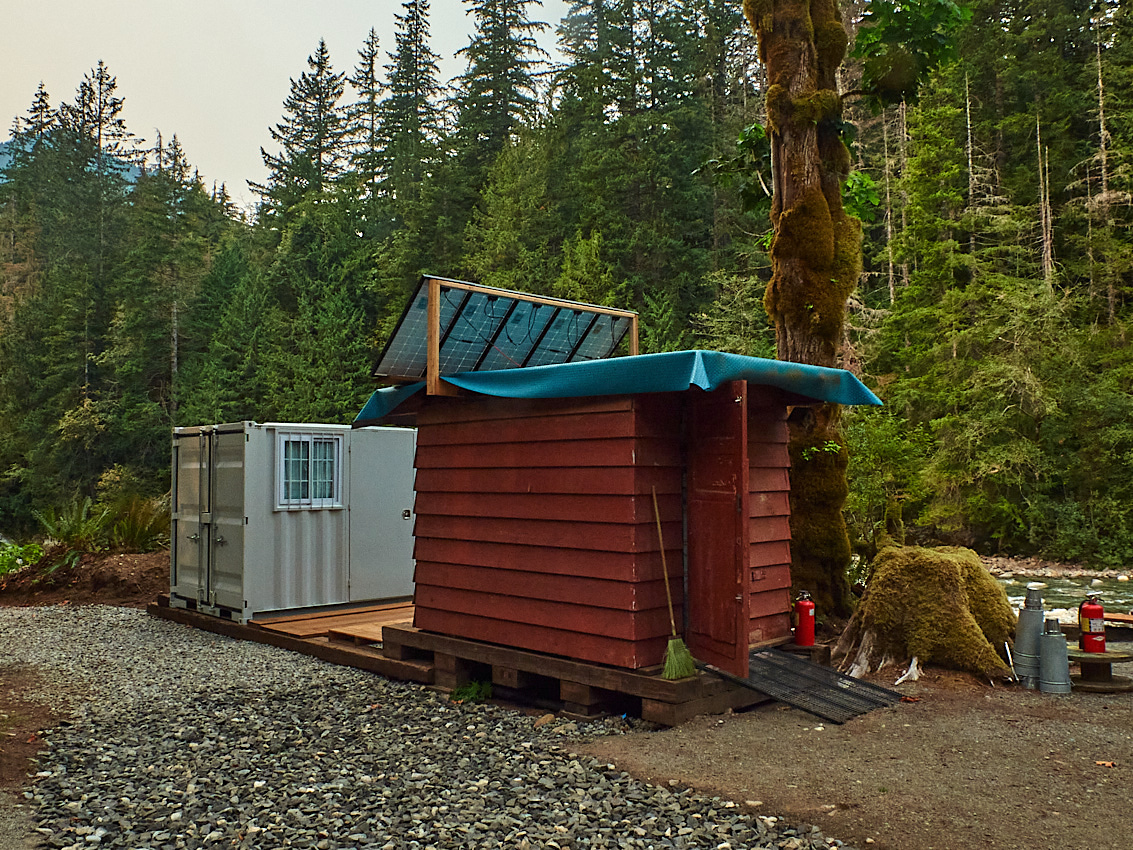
{"x": 965, "y": 765}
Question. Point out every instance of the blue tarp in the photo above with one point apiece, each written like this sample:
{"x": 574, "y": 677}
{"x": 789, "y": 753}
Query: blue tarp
{"x": 673, "y": 371}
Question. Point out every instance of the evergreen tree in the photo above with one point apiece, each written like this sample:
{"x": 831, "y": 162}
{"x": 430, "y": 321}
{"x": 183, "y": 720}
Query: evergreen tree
{"x": 368, "y": 155}
{"x": 312, "y": 139}
{"x": 411, "y": 115}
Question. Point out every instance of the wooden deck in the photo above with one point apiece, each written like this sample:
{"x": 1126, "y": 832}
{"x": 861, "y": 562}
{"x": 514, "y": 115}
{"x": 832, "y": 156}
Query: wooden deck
{"x": 367, "y": 621}
{"x": 382, "y": 639}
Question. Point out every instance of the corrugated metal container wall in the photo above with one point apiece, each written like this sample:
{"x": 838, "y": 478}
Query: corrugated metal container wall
{"x": 263, "y": 517}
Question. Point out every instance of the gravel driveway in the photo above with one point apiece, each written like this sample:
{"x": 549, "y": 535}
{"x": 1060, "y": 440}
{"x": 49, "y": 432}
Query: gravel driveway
{"x": 182, "y": 739}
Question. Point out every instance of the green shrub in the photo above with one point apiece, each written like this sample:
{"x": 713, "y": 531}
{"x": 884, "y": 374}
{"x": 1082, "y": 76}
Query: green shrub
{"x": 139, "y": 524}
{"x": 13, "y": 556}
{"x": 79, "y": 526}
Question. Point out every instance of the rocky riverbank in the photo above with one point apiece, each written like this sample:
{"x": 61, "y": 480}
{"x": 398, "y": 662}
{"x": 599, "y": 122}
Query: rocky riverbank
{"x": 182, "y": 739}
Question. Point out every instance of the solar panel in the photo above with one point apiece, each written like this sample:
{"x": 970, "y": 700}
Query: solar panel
{"x": 480, "y": 328}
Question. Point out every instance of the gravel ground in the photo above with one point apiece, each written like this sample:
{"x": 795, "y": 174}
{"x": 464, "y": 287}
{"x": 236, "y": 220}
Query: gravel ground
{"x": 182, "y": 739}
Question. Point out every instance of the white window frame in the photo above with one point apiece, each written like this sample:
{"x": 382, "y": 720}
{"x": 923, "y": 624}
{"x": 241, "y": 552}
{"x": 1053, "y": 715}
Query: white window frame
{"x": 309, "y": 476}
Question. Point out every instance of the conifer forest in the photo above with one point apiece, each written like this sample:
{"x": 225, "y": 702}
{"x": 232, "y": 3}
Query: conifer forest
{"x": 993, "y": 312}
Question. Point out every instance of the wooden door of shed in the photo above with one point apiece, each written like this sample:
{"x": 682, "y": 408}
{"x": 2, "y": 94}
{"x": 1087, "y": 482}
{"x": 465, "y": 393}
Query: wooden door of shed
{"x": 718, "y": 549}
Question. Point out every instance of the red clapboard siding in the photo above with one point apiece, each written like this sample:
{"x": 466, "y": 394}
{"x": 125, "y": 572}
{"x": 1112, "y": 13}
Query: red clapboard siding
{"x": 599, "y": 593}
{"x": 608, "y": 508}
{"x": 770, "y": 628}
{"x": 770, "y": 554}
{"x": 767, "y": 455}
{"x": 770, "y": 603}
{"x": 534, "y": 429}
{"x": 585, "y": 563}
{"x": 765, "y": 480}
{"x": 607, "y": 537}
{"x": 615, "y": 480}
{"x": 442, "y": 409}
{"x": 573, "y": 617}
{"x": 767, "y": 529}
{"x": 769, "y": 504}
{"x": 590, "y": 647}
{"x": 627, "y": 451}
{"x": 770, "y": 578}
{"x": 535, "y": 522}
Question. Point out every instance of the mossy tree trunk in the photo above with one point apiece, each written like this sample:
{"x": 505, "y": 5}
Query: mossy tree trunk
{"x": 816, "y": 259}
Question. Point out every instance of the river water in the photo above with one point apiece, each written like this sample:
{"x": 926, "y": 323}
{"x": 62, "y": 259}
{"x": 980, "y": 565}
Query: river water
{"x": 1063, "y": 595}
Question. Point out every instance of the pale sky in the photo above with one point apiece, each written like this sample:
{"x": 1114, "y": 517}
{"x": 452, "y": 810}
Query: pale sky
{"x": 213, "y": 72}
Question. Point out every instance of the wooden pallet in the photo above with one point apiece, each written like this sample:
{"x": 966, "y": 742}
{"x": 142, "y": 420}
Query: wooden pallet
{"x": 583, "y": 689}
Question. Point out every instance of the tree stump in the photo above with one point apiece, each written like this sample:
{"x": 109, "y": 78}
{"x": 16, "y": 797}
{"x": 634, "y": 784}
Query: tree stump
{"x": 938, "y": 606}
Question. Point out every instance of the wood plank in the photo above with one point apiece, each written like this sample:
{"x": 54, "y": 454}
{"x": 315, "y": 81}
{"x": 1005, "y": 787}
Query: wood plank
{"x": 767, "y": 480}
{"x": 594, "y": 536}
{"x": 673, "y": 714}
{"x": 315, "y": 626}
{"x": 567, "y": 426}
{"x": 775, "y": 503}
{"x": 565, "y": 561}
{"x": 361, "y": 657}
{"x": 768, "y": 529}
{"x": 616, "y": 595}
{"x": 624, "y": 681}
{"x": 773, "y": 629}
{"x": 769, "y": 578}
{"x": 615, "y": 480}
{"x": 478, "y": 408}
{"x": 771, "y": 554}
{"x": 597, "y": 648}
{"x": 762, "y": 454}
{"x": 511, "y": 677}
{"x": 769, "y": 603}
{"x": 564, "y": 617}
{"x": 626, "y": 451}
{"x": 285, "y": 616}
{"x": 1121, "y": 619}
{"x": 541, "y": 506}
{"x": 363, "y": 633}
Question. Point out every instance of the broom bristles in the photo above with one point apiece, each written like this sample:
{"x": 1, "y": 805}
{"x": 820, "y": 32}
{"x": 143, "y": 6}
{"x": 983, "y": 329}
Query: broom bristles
{"x": 679, "y": 663}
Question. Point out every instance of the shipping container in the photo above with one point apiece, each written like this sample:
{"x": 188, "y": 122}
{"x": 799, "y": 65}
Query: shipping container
{"x": 282, "y": 517}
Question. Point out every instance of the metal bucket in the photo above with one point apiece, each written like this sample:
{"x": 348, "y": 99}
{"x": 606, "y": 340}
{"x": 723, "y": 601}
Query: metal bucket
{"x": 1054, "y": 662}
{"x": 1027, "y": 635}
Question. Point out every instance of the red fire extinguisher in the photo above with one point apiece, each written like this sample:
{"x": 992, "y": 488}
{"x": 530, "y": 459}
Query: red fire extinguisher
{"x": 804, "y": 613}
{"x": 1091, "y": 621}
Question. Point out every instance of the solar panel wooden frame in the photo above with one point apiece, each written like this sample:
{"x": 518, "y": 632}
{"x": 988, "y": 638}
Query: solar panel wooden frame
{"x": 452, "y": 326}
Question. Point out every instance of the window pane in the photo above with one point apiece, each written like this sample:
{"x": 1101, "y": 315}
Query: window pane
{"x": 296, "y": 470}
{"x": 322, "y": 469}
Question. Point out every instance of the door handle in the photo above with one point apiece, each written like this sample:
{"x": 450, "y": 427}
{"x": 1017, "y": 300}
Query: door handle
{"x": 220, "y": 541}
{"x": 194, "y": 537}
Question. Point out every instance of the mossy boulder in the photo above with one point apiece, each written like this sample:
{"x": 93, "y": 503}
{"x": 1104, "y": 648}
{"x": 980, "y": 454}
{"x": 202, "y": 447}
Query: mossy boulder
{"x": 940, "y": 606}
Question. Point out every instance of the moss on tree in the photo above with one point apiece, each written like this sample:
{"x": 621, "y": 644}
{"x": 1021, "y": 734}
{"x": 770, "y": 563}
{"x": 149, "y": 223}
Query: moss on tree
{"x": 816, "y": 261}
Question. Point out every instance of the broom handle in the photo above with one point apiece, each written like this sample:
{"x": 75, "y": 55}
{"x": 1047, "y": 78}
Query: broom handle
{"x": 664, "y": 565}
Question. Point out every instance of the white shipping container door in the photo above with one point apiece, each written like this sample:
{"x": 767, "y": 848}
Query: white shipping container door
{"x": 381, "y": 513}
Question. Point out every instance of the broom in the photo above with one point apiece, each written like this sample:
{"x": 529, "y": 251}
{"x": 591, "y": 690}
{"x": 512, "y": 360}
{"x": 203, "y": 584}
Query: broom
{"x": 679, "y": 662}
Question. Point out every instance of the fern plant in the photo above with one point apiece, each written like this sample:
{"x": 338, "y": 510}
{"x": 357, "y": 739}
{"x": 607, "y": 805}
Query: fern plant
{"x": 80, "y": 525}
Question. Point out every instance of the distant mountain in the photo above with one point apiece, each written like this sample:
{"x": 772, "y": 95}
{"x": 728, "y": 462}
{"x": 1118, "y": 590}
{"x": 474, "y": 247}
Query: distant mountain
{"x": 132, "y": 172}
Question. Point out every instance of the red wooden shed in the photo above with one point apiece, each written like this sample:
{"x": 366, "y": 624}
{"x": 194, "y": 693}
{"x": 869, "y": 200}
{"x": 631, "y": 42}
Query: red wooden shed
{"x": 535, "y": 523}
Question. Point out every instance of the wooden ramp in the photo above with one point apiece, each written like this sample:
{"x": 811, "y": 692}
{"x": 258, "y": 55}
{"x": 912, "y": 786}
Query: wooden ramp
{"x": 382, "y": 639}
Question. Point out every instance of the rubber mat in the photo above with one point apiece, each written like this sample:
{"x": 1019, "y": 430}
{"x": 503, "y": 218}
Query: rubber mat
{"x": 820, "y": 691}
